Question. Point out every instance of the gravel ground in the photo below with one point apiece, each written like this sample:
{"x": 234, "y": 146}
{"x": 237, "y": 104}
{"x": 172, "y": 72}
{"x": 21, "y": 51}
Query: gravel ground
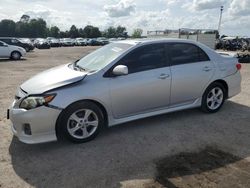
{"x": 181, "y": 149}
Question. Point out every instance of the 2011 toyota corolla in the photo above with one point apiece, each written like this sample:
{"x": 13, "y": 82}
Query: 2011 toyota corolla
{"x": 121, "y": 82}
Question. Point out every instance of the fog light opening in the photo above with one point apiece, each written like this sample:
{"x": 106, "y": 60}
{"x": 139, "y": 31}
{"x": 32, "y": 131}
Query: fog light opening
{"x": 27, "y": 129}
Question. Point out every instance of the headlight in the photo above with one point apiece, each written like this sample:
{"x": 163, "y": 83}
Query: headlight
{"x": 36, "y": 101}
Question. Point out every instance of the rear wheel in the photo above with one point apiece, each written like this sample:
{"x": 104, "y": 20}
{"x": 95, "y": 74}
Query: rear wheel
{"x": 15, "y": 55}
{"x": 213, "y": 98}
{"x": 81, "y": 122}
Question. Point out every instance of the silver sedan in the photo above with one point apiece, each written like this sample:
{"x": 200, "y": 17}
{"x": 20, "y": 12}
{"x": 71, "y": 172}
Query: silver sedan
{"x": 121, "y": 82}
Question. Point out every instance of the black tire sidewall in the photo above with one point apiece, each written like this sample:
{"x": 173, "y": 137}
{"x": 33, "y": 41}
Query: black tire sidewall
{"x": 12, "y": 57}
{"x": 204, "y": 106}
{"x": 73, "y": 108}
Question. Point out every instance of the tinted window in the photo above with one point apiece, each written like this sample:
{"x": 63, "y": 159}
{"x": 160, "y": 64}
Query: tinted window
{"x": 182, "y": 53}
{"x": 14, "y": 41}
{"x": 1, "y": 44}
{"x": 145, "y": 58}
{"x": 4, "y": 40}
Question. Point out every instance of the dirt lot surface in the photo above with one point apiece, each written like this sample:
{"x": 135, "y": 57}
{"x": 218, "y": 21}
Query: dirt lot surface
{"x": 181, "y": 149}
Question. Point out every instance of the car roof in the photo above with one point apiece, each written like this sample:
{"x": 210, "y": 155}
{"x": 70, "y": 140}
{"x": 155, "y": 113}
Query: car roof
{"x": 8, "y": 38}
{"x": 153, "y": 40}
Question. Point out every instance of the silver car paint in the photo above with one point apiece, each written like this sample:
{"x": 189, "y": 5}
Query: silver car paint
{"x": 52, "y": 78}
{"x": 126, "y": 101}
{"x": 5, "y": 51}
{"x": 130, "y": 94}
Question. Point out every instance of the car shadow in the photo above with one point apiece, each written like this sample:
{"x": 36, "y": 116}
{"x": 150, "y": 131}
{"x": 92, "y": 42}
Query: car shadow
{"x": 11, "y": 60}
{"x": 138, "y": 149}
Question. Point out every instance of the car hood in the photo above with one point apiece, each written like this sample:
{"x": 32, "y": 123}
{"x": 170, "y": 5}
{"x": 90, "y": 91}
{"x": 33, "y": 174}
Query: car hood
{"x": 51, "y": 79}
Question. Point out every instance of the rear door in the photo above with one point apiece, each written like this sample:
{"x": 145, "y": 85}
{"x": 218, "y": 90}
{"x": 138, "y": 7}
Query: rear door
{"x": 191, "y": 70}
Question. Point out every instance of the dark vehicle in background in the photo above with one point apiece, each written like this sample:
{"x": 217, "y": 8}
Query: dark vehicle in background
{"x": 233, "y": 44}
{"x": 80, "y": 42}
{"x": 55, "y": 43}
{"x": 67, "y": 42}
{"x": 41, "y": 43}
{"x": 94, "y": 42}
{"x": 103, "y": 41}
{"x": 17, "y": 42}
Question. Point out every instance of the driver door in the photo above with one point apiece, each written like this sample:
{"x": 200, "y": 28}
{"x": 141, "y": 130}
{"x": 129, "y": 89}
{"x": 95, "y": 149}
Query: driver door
{"x": 146, "y": 87}
{"x": 4, "y": 50}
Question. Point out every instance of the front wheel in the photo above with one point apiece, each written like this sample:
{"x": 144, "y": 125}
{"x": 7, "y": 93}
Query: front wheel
{"x": 15, "y": 55}
{"x": 213, "y": 98}
{"x": 82, "y": 121}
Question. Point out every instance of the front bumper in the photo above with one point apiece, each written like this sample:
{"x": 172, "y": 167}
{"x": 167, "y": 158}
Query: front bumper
{"x": 41, "y": 120}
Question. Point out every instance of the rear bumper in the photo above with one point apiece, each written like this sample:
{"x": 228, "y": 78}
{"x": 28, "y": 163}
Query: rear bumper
{"x": 41, "y": 120}
{"x": 234, "y": 84}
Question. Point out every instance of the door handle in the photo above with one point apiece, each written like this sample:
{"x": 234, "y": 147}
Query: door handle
{"x": 163, "y": 76}
{"x": 206, "y": 68}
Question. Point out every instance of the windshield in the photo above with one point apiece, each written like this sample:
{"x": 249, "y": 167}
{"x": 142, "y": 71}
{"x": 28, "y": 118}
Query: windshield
{"x": 103, "y": 56}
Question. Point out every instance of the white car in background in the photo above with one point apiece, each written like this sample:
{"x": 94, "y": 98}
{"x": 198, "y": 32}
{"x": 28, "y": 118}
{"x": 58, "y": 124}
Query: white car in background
{"x": 10, "y": 51}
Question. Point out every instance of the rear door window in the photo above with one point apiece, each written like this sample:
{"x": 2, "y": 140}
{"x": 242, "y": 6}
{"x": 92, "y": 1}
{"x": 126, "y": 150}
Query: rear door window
{"x": 184, "y": 53}
{"x": 14, "y": 41}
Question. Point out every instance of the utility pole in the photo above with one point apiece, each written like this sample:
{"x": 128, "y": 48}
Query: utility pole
{"x": 219, "y": 26}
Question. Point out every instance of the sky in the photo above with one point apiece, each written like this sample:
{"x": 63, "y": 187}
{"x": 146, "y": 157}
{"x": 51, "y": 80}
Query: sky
{"x": 144, "y": 14}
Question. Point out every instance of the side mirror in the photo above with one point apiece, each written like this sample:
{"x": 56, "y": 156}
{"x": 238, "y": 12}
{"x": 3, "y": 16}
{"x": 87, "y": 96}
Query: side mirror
{"x": 120, "y": 70}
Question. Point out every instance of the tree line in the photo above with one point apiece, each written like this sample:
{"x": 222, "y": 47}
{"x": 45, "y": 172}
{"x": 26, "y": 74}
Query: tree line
{"x": 36, "y": 28}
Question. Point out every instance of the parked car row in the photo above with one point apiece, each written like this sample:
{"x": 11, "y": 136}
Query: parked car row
{"x": 233, "y": 44}
{"x": 49, "y": 42}
{"x": 77, "y": 41}
{"x": 24, "y": 43}
{"x": 15, "y": 48}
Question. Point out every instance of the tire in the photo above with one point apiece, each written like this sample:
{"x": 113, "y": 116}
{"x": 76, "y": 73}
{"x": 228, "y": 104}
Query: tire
{"x": 213, "y": 98}
{"x": 81, "y": 122}
{"x": 15, "y": 55}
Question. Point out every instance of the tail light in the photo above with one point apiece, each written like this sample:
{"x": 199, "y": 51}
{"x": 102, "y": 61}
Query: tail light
{"x": 238, "y": 66}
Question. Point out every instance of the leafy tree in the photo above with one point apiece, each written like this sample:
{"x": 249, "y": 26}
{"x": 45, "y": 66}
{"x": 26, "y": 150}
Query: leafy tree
{"x": 73, "y": 32}
{"x": 91, "y": 31}
{"x": 110, "y": 32}
{"x": 137, "y": 33}
{"x": 34, "y": 28}
{"x": 37, "y": 28}
{"x": 54, "y": 32}
{"x": 7, "y": 28}
{"x": 95, "y": 32}
{"x": 113, "y": 32}
{"x": 121, "y": 32}
{"x": 25, "y": 18}
{"x": 81, "y": 32}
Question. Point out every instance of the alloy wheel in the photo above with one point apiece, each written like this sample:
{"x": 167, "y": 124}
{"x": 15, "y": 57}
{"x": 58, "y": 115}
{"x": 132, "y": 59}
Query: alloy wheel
{"x": 215, "y": 98}
{"x": 82, "y": 124}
